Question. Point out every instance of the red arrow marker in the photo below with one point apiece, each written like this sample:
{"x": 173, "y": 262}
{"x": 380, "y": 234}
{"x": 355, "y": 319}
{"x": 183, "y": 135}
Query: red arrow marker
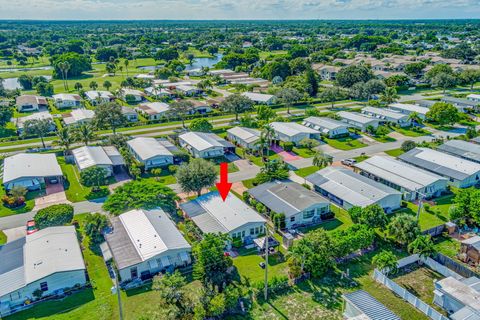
{"x": 223, "y": 186}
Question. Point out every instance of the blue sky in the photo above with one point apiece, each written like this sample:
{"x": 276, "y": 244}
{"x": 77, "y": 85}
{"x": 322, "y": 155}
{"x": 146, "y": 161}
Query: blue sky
{"x": 238, "y": 9}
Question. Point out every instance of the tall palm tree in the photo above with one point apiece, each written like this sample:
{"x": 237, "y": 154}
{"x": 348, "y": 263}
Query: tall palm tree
{"x": 64, "y": 139}
{"x": 85, "y": 134}
{"x": 64, "y": 67}
{"x": 415, "y": 118}
{"x": 126, "y": 63}
{"x": 389, "y": 95}
{"x": 321, "y": 159}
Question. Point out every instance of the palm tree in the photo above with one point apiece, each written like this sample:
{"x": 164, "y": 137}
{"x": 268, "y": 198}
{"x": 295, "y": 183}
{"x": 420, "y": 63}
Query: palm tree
{"x": 126, "y": 62}
{"x": 321, "y": 159}
{"x": 300, "y": 252}
{"x": 64, "y": 139}
{"x": 78, "y": 86}
{"x": 93, "y": 85}
{"x": 415, "y": 118}
{"x": 64, "y": 66}
{"x": 389, "y": 95}
{"x": 84, "y": 133}
{"x": 107, "y": 85}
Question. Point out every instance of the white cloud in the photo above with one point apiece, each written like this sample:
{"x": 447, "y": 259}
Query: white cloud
{"x": 237, "y": 9}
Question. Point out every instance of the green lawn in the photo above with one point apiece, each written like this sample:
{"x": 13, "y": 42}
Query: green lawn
{"x": 3, "y": 237}
{"x": 258, "y": 160}
{"x": 247, "y": 265}
{"x": 304, "y": 152}
{"x": 306, "y": 171}
{"x": 395, "y": 152}
{"x": 447, "y": 246}
{"x": 407, "y": 131}
{"x": 347, "y": 143}
{"x": 341, "y": 221}
{"x": 382, "y": 139}
{"x": 29, "y": 203}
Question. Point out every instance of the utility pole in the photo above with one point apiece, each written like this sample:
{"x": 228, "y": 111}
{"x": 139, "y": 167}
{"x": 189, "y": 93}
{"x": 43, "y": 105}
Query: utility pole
{"x": 119, "y": 297}
{"x": 420, "y": 203}
{"x": 266, "y": 262}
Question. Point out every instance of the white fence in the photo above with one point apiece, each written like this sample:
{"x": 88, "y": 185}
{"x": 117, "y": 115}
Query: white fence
{"x": 407, "y": 296}
{"x": 432, "y": 264}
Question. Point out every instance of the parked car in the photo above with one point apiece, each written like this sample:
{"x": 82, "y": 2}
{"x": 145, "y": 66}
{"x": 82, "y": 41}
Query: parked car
{"x": 31, "y": 227}
{"x": 349, "y": 162}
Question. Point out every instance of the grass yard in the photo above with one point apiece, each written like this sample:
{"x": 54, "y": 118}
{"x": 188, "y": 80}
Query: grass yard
{"x": 411, "y": 133}
{"x": 341, "y": 221}
{"x": 419, "y": 280}
{"x": 257, "y": 160}
{"x": 247, "y": 264}
{"x": 306, "y": 171}
{"x": 347, "y": 143}
{"x": 29, "y": 203}
{"x": 447, "y": 246}
{"x": 382, "y": 139}
{"x": 395, "y": 152}
{"x": 3, "y": 237}
{"x": 361, "y": 158}
{"x": 304, "y": 152}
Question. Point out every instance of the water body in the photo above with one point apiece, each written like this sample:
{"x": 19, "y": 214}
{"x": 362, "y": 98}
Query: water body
{"x": 12, "y": 83}
{"x": 26, "y": 69}
{"x": 197, "y": 63}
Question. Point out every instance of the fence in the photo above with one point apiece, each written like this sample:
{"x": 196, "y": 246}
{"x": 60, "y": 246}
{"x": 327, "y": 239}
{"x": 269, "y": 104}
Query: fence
{"x": 455, "y": 266}
{"x": 407, "y": 296}
{"x": 432, "y": 264}
{"x": 435, "y": 231}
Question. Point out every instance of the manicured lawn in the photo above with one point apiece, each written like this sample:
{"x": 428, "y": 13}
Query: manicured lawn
{"x": 29, "y": 203}
{"x": 347, "y": 143}
{"x": 74, "y": 190}
{"x": 411, "y": 133}
{"x": 247, "y": 265}
{"x": 258, "y": 160}
{"x": 382, "y": 139}
{"x": 341, "y": 221}
{"x": 248, "y": 183}
{"x": 395, "y": 152}
{"x": 3, "y": 237}
{"x": 361, "y": 158}
{"x": 447, "y": 246}
{"x": 304, "y": 152}
{"x": 306, "y": 171}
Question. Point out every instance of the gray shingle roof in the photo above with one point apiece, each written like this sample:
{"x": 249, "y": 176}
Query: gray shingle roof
{"x": 462, "y": 149}
{"x": 370, "y": 306}
{"x": 147, "y": 148}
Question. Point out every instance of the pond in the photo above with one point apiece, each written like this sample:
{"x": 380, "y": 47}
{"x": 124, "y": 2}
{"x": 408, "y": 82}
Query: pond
{"x": 197, "y": 63}
{"x": 12, "y": 83}
{"x": 25, "y": 69}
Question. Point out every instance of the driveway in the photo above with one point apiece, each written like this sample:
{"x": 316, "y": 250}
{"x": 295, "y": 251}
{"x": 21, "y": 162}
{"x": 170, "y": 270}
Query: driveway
{"x": 55, "y": 194}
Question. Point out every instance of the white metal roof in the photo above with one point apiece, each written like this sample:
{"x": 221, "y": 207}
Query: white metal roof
{"x": 409, "y": 108}
{"x": 24, "y": 165}
{"x": 92, "y": 95}
{"x": 201, "y": 140}
{"x": 52, "y": 250}
{"x": 248, "y": 135}
{"x": 291, "y": 128}
{"x": 399, "y": 173}
{"x": 461, "y": 291}
{"x": 67, "y": 97}
{"x": 89, "y": 156}
{"x": 384, "y": 112}
{"x": 133, "y": 92}
{"x": 473, "y": 96}
{"x": 34, "y": 116}
{"x": 324, "y": 123}
{"x": 356, "y": 117}
{"x": 350, "y": 186}
{"x": 154, "y": 107}
{"x": 147, "y": 148}
{"x": 77, "y": 115}
{"x": 258, "y": 97}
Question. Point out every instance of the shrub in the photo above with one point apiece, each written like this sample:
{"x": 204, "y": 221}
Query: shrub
{"x": 237, "y": 242}
{"x": 288, "y": 146}
{"x": 95, "y": 224}
{"x": 56, "y": 215}
{"x": 172, "y": 168}
{"x": 98, "y": 193}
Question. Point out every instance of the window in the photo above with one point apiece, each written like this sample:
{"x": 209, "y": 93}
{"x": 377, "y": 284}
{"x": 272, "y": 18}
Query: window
{"x": 252, "y": 231}
{"x": 308, "y": 214}
{"x": 243, "y": 234}
{"x": 133, "y": 273}
{"x": 292, "y": 219}
{"x": 44, "y": 286}
{"x": 256, "y": 230}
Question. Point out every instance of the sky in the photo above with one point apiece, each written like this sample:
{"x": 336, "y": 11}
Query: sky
{"x": 237, "y": 9}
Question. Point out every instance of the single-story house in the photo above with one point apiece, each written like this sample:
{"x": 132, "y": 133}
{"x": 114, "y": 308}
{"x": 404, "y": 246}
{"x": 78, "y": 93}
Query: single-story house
{"x": 245, "y": 137}
{"x": 474, "y": 97}
{"x": 188, "y": 90}
{"x": 409, "y": 109}
{"x": 42, "y": 115}
{"x": 386, "y": 115}
{"x": 129, "y": 114}
{"x": 205, "y": 145}
{"x": 260, "y": 98}
{"x": 31, "y": 170}
{"x": 459, "y": 297}
{"x": 360, "y": 305}
{"x": 153, "y": 110}
{"x": 462, "y": 104}
{"x": 327, "y": 126}
{"x": 358, "y": 120}
{"x": 299, "y": 205}
{"x": 460, "y": 173}
{"x": 462, "y": 149}
{"x": 425, "y": 103}
{"x": 470, "y": 250}
{"x": 159, "y": 92}
{"x": 328, "y": 73}
{"x": 349, "y": 189}
{"x": 412, "y": 182}
{"x": 78, "y": 117}
{"x": 198, "y": 72}
{"x": 233, "y": 217}
{"x": 293, "y": 132}
{"x": 49, "y": 260}
{"x": 67, "y": 100}
{"x": 200, "y": 107}
{"x": 99, "y": 97}
{"x": 150, "y": 152}
{"x": 144, "y": 243}
{"x": 136, "y": 94}
{"x": 28, "y": 103}
{"x": 107, "y": 157}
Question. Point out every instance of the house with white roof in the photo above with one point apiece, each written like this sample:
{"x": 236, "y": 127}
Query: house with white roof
{"x": 67, "y": 100}
{"x": 293, "y": 132}
{"x": 358, "y": 120}
{"x": 414, "y": 183}
{"x": 107, "y": 157}
{"x": 260, "y": 98}
{"x": 474, "y": 97}
{"x": 99, "y": 97}
{"x": 349, "y": 189}
{"x": 49, "y": 260}
{"x": 462, "y": 149}
{"x": 31, "y": 170}
{"x": 327, "y": 126}
{"x": 205, "y": 145}
{"x": 29, "y": 103}
{"x": 188, "y": 90}
{"x": 136, "y": 94}
{"x": 459, "y": 297}
{"x": 150, "y": 152}
{"x": 386, "y": 115}
{"x": 159, "y": 92}
{"x": 129, "y": 114}
{"x": 328, "y": 73}
{"x": 153, "y": 110}
{"x": 463, "y": 105}
{"x": 42, "y": 115}
{"x": 144, "y": 243}
{"x": 408, "y": 109}
{"x": 300, "y": 205}
{"x": 78, "y": 117}
{"x": 461, "y": 173}
{"x": 233, "y": 217}
{"x": 247, "y": 138}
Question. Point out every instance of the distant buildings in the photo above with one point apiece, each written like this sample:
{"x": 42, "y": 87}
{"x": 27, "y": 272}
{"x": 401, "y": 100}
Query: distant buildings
{"x": 462, "y": 149}
{"x": 78, "y": 117}
{"x": 99, "y": 97}
{"x": 153, "y": 110}
{"x": 137, "y": 95}
{"x": 260, "y": 98}
{"x": 409, "y": 109}
{"x": 385, "y": 115}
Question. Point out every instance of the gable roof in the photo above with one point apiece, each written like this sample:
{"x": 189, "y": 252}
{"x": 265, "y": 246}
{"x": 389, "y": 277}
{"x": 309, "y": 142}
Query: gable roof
{"x": 356, "y": 117}
{"x": 77, "y": 115}
{"x": 248, "y": 135}
{"x": 385, "y": 113}
{"x": 88, "y": 156}
{"x": 67, "y": 97}
{"x": 147, "y": 148}
{"x": 25, "y": 165}
{"x": 259, "y": 97}
{"x": 211, "y": 214}
{"x": 409, "y": 108}
{"x": 286, "y": 197}
{"x": 203, "y": 141}
{"x": 321, "y": 123}
{"x": 28, "y": 99}
{"x": 461, "y": 148}
{"x": 291, "y": 128}
{"x": 369, "y": 306}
